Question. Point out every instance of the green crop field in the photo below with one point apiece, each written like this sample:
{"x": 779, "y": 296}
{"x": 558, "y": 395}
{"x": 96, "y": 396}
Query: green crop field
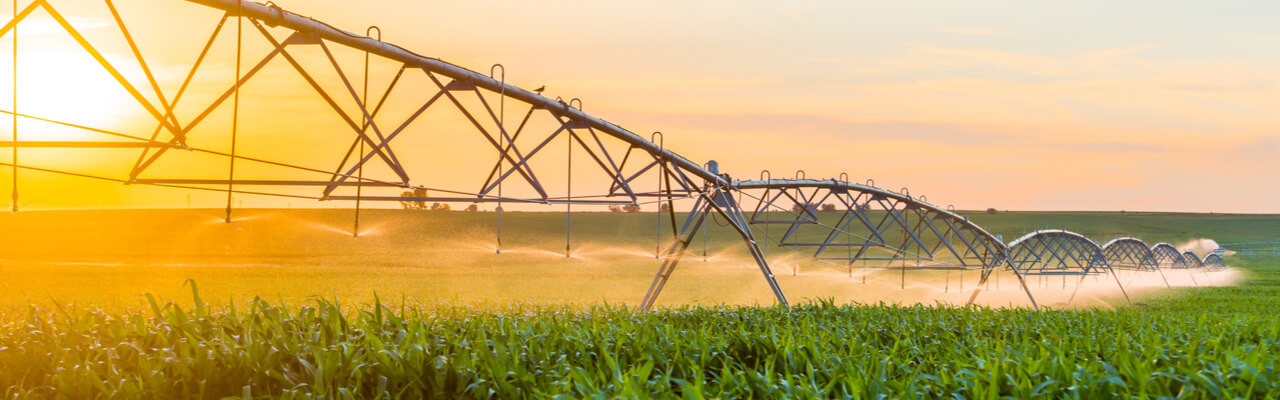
{"x": 285, "y": 304}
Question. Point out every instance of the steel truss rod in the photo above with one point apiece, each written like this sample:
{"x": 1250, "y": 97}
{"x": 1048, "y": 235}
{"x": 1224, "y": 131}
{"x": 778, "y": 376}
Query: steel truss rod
{"x": 765, "y": 202}
{"x": 930, "y": 235}
{"x": 1167, "y": 255}
{"x": 1130, "y": 253}
{"x": 898, "y": 208}
{"x": 479, "y": 200}
{"x": 83, "y": 144}
{"x": 275, "y": 16}
{"x": 146, "y": 143}
{"x": 103, "y": 178}
{"x": 102, "y": 61}
{"x": 252, "y": 182}
{"x": 1056, "y": 252}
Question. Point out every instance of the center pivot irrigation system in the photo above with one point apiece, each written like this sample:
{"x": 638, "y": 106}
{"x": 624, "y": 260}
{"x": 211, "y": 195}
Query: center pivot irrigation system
{"x": 869, "y": 227}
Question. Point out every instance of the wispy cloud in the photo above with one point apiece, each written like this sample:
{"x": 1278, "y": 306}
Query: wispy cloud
{"x": 41, "y": 27}
{"x": 925, "y": 56}
{"x": 1119, "y": 51}
{"x": 832, "y": 60}
{"x": 1113, "y": 147}
{"x": 821, "y": 126}
{"x": 972, "y": 32}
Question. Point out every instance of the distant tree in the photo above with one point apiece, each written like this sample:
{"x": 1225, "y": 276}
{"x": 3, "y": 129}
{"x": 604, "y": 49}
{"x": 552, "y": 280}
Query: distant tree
{"x": 499, "y": 208}
{"x": 665, "y": 207}
{"x": 473, "y": 207}
{"x": 801, "y": 207}
{"x": 410, "y": 204}
{"x": 828, "y": 207}
{"x": 631, "y": 208}
{"x": 615, "y": 208}
{"x": 440, "y": 207}
{"x": 992, "y": 211}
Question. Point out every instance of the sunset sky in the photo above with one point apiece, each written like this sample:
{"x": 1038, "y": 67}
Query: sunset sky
{"x": 1083, "y": 105}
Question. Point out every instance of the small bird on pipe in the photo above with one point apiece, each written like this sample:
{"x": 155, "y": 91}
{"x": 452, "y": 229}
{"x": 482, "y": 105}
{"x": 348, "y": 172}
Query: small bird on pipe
{"x": 540, "y": 89}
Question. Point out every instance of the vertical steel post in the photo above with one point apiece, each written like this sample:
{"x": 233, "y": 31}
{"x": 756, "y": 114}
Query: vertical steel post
{"x": 704, "y": 243}
{"x": 15, "y": 106}
{"x": 795, "y": 251}
{"x": 864, "y": 272}
{"x": 568, "y": 204}
{"x": 766, "y": 176}
{"x": 662, "y": 174}
{"x": 848, "y": 249}
{"x": 903, "y": 284}
{"x": 704, "y": 231}
{"x": 235, "y": 108}
{"x": 364, "y": 102}
{"x": 502, "y": 148}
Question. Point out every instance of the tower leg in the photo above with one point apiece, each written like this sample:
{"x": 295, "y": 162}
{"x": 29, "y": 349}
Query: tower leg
{"x": 1121, "y": 285}
{"x": 1077, "y": 291}
{"x": 723, "y": 204}
{"x": 673, "y": 254}
{"x": 1166, "y": 279}
{"x": 1021, "y": 280}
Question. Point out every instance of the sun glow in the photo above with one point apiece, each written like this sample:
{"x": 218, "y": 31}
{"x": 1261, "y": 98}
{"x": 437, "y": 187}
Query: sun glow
{"x": 57, "y": 84}
{"x": 57, "y": 80}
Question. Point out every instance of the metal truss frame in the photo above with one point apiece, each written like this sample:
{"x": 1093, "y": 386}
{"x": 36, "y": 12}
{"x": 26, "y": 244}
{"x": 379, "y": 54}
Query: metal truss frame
{"x": 1213, "y": 262}
{"x": 1129, "y": 253}
{"x": 1192, "y": 260}
{"x": 584, "y": 132}
{"x": 869, "y": 225}
{"x": 873, "y": 226}
{"x": 1058, "y": 252}
{"x": 1168, "y": 256}
{"x": 480, "y": 99}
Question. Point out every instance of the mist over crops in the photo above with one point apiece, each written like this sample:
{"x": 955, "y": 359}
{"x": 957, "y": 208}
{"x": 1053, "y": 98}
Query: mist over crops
{"x": 449, "y": 256}
{"x": 287, "y": 304}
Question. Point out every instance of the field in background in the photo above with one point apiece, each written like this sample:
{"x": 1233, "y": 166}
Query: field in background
{"x": 100, "y": 335}
{"x": 111, "y": 257}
